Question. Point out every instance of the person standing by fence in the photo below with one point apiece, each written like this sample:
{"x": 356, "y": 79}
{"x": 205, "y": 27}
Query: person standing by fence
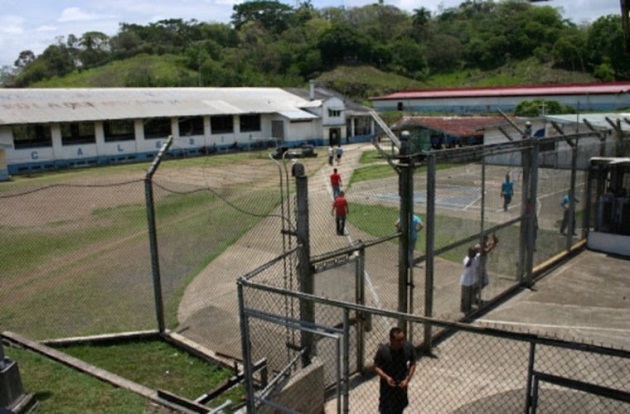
{"x": 416, "y": 226}
{"x": 469, "y": 280}
{"x": 484, "y": 249}
{"x": 565, "y": 203}
{"x": 395, "y": 364}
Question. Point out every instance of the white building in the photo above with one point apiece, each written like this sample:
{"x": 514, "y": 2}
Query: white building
{"x": 42, "y": 129}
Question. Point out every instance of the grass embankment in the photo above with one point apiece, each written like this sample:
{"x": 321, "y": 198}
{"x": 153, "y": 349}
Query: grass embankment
{"x": 60, "y": 389}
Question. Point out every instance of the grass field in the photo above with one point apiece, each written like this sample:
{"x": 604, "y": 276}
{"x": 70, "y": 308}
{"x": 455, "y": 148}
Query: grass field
{"x": 154, "y": 364}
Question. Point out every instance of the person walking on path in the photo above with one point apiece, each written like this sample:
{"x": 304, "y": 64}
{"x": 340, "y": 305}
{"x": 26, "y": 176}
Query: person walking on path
{"x": 395, "y": 364}
{"x": 335, "y": 182}
{"x": 331, "y": 155}
{"x": 469, "y": 280}
{"x": 416, "y": 226}
{"x": 565, "y": 203}
{"x": 340, "y": 210}
{"x": 507, "y": 190}
{"x": 339, "y": 154}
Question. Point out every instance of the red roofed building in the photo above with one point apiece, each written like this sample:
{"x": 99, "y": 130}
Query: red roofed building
{"x": 612, "y": 96}
{"x": 444, "y": 132}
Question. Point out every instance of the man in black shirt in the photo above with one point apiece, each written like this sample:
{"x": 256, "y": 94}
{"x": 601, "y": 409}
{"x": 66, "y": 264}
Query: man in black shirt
{"x": 395, "y": 364}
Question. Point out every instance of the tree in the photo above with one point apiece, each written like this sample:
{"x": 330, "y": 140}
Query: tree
{"x": 606, "y": 44}
{"x": 444, "y": 53}
{"x": 410, "y": 57}
{"x": 341, "y": 44}
{"x": 535, "y": 108}
{"x": 25, "y": 58}
{"x": 421, "y": 17}
{"x": 94, "y": 48}
{"x": 570, "y": 52}
{"x": 7, "y": 76}
{"x": 128, "y": 42}
{"x": 271, "y": 14}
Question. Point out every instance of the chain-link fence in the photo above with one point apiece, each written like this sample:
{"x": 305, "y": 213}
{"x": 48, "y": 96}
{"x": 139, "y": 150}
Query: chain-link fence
{"x": 77, "y": 256}
{"x": 459, "y": 195}
{"x": 472, "y": 370}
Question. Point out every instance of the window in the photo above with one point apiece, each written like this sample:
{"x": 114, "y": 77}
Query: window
{"x": 31, "y": 136}
{"x": 362, "y": 125}
{"x": 191, "y": 126}
{"x": 221, "y": 124}
{"x": 334, "y": 113}
{"x": 547, "y": 146}
{"x": 250, "y": 123}
{"x": 75, "y": 133}
{"x": 157, "y": 128}
{"x": 119, "y": 130}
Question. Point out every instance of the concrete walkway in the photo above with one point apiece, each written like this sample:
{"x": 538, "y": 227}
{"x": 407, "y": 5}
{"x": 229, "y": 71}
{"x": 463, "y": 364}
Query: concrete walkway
{"x": 208, "y": 311}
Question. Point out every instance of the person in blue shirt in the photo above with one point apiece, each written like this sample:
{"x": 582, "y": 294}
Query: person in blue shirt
{"x": 416, "y": 226}
{"x": 565, "y": 203}
{"x": 507, "y": 191}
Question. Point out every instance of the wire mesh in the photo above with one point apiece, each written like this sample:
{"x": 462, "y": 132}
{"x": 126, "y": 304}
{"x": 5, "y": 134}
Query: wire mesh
{"x": 471, "y": 370}
{"x": 75, "y": 255}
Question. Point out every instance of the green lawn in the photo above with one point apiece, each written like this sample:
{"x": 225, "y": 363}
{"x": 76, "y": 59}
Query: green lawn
{"x": 154, "y": 364}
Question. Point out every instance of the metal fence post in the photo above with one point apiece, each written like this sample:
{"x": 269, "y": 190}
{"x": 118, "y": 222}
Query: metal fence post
{"x": 362, "y": 324}
{"x": 153, "y": 243}
{"x": 403, "y": 249}
{"x": 346, "y": 360}
{"x": 531, "y": 229}
{"x": 571, "y": 223}
{"x": 526, "y": 181}
{"x": 246, "y": 349}
{"x": 430, "y": 248}
{"x": 307, "y": 308}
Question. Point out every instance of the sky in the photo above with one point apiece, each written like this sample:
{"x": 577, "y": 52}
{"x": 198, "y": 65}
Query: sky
{"x": 35, "y": 24}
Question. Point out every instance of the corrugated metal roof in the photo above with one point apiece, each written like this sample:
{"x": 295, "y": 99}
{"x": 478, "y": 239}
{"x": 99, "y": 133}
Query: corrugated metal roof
{"x": 18, "y": 106}
{"x": 598, "y": 120}
{"x": 525, "y": 90}
{"x": 456, "y": 126}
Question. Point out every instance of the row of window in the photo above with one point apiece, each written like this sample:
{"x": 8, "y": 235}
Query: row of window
{"x": 74, "y": 133}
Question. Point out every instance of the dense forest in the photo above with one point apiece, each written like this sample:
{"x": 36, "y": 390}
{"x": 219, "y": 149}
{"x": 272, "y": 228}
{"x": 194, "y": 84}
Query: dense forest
{"x": 268, "y": 43}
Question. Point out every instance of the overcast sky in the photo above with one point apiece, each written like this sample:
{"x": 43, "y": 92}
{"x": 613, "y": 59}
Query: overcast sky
{"x": 34, "y": 24}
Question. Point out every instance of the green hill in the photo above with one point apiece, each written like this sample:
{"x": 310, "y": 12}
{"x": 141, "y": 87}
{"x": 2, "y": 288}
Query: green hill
{"x": 140, "y": 71}
{"x": 357, "y": 82}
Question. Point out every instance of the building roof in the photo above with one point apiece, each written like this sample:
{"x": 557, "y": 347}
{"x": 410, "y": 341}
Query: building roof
{"x": 322, "y": 94}
{"x": 597, "y": 120}
{"x": 22, "y": 106}
{"x": 459, "y": 126}
{"x": 500, "y": 91}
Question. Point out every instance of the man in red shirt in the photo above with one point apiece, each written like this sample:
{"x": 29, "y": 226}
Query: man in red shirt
{"x": 340, "y": 211}
{"x": 335, "y": 182}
